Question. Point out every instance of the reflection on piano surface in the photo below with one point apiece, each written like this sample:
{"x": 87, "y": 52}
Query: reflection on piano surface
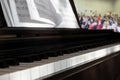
{"x": 35, "y": 54}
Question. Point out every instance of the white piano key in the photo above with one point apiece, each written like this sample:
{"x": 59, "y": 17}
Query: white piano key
{"x": 63, "y": 64}
{"x": 51, "y": 68}
{"x": 35, "y": 73}
{"x": 35, "y": 70}
{"x": 92, "y": 56}
{"x": 28, "y": 74}
{"x": 116, "y": 48}
{"x": 100, "y": 53}
{"x": 5, "y": 77}
{"x": 43, "y": 70}
{"x": 15, "y": 76}
{"x": 81, "y": 59}
{"x": 40, "y": 69}
{"x": 21, "y": 75}
{"x": 25, "y": 74}
{"x": 57, "y": 66}
{"x": 77, "y": 59}
{"x": 73, "y": 61}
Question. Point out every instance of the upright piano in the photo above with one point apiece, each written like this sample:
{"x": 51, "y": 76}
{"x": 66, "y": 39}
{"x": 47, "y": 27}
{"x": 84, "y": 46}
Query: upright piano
{"x": 58, "y": 54}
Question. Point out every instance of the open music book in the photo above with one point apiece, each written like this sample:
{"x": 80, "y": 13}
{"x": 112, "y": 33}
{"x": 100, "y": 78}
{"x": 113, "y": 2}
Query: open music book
{"x": 39, "y": 13}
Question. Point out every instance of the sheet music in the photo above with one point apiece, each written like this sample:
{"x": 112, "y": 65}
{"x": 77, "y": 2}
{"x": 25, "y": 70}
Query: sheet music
{"x": 7, "y": 12}
{"x": 22, "y": 11}
{"x": 64, "y": 8}
{"x": 48, "y": 11}
{"x": 24, "y": 14}
{"x": 42, "y": 13}
{"x": 22, "y": 17}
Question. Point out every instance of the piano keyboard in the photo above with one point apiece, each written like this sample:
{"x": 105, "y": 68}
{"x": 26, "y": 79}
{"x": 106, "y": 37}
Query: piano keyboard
{"x": 39, "y": 70}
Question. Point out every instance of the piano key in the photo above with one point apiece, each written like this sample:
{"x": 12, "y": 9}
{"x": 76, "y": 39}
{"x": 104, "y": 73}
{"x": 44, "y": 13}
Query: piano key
{"x": 15, "y": 76}
{"x": 51, "y": 68}
{"x": 25, "y": 74}
{"x": 3, "y": 64}
{"x": 43, "y": 68}
{"x": 4, "y": 77}
{"x": 52, "y": 65}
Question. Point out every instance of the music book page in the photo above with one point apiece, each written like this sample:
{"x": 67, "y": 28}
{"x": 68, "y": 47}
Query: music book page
{"x": 40, "y": 13}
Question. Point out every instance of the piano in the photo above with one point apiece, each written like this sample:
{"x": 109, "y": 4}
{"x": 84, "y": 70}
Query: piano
{"x": 46, "y": 54}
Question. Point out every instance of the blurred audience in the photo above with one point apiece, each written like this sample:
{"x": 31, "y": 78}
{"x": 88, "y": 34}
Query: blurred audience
{"x": 97, "y": 22}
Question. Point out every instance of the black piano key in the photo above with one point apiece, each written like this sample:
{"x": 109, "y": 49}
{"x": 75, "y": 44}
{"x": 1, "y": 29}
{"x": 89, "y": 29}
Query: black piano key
{"x": 75, "y": 49}
{"x": 44, "y": 56}
{"x": 12, "y": 61}
{"x": 52, "y": 54}
{"x": 25, "y": 58}
{"x": 66, "y": 51}
{"x": 3, "y": 64}
{"x": 36, "y": 57}
{"x": 60, "y": 53}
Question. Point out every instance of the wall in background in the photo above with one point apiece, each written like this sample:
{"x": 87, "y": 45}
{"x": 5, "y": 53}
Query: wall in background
{"x": 99, "y": 6}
